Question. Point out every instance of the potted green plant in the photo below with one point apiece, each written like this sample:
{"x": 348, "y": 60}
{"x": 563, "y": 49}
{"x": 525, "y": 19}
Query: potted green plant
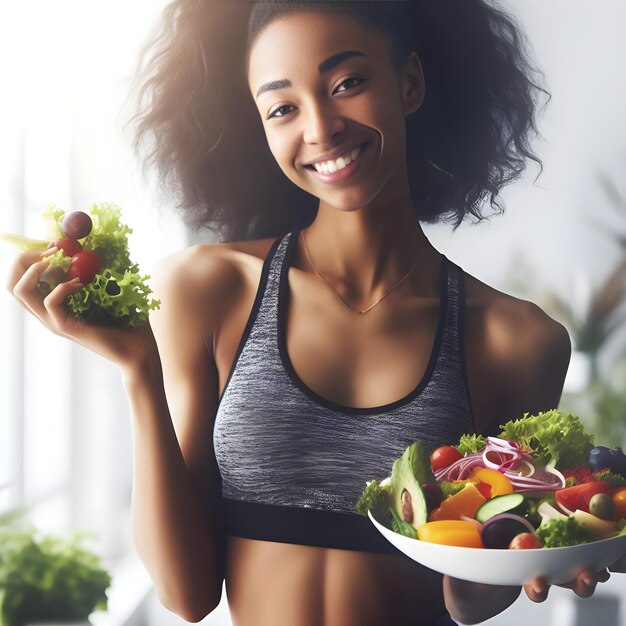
{"x": 48, "y": 579}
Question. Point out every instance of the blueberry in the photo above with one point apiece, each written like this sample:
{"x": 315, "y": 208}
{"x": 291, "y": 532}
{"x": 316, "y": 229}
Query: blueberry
{"x": 599, "y": 458}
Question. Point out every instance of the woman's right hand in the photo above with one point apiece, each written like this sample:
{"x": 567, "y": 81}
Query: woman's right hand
{"x": 128, "y": 348}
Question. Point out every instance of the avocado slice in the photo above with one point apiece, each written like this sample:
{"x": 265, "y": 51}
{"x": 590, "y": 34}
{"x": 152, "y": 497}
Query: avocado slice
{"x": 409, "y": 472}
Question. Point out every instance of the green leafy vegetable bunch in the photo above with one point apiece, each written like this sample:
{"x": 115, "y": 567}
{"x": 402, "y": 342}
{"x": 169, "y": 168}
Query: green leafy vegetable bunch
{"x": 47, "y": 578}
{"x": 561, "y": 532}
{"x": 551, "y": 437}
{"x": 113, "y": 293}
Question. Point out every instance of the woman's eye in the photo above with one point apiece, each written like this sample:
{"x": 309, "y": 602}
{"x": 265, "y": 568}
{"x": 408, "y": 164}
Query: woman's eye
{"x": 272, "y": 114}
{"x": 347, "y": 80}
{"x": 282, "y": 113}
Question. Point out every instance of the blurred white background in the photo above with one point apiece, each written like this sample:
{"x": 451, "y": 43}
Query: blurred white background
{"x": 65, "y": 436}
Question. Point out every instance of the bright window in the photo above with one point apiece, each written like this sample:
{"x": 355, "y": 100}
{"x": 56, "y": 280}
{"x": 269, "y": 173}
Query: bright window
{"x": 65, "y": 432}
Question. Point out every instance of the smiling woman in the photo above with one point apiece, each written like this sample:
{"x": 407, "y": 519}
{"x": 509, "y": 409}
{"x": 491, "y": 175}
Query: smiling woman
{"x": 384, "y": 114}
{"x": 262, "y": 398}
{"x": 471, "y": 135}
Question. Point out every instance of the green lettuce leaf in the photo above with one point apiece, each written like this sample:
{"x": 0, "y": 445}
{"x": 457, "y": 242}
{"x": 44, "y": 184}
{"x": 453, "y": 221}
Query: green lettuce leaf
{"x": 552, "y": 437}
{"x": 113, "y": 299}
{"x": 108, "y": 238}
{"x": 471, "y": 443}
{"x": 25, "y": 243}
{"x": 52, "y": 217}
{"x": 401, "y": 527}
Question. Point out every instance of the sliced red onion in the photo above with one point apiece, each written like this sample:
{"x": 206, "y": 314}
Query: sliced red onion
{"x": 506, "y": 445}
{"x": 465, "y": 518}
{"x": 517, "y": 518}
{"x": 460, "y": 469}
{"x": 530, "y": 466}
{"x": 519, "y": 484}
{"x": 502, "y": 455}
{"x": 552, "y": 470}
{"x": 502, "y": 462}
{"x": 502, "y": 443}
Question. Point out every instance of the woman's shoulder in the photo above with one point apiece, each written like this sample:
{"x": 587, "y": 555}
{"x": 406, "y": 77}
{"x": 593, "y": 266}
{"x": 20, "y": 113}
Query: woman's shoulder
{"x": 508, "y": 320}
{"x": 523, "y": 349}
{"x": 214, "y": 275}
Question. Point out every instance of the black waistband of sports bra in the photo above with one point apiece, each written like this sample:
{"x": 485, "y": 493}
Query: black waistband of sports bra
{"x": 304, "y": 526}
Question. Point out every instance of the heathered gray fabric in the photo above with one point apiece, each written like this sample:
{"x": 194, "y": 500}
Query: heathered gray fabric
{"x": 277, "y": 444}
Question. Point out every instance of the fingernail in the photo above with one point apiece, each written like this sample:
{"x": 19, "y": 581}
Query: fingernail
{"x": 49, "y": 251}
{"x": 588, "y": 580}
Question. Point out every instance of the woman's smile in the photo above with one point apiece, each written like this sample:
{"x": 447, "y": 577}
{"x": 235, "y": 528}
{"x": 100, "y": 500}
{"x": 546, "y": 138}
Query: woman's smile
{"x": 340, "y": 169}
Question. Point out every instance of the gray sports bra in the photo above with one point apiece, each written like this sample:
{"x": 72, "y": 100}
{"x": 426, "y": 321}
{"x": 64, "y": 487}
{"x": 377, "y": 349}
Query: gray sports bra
{"x": 292, "y": 463}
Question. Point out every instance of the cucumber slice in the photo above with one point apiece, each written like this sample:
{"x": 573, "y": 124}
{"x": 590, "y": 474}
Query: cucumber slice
{"x": 514, "y": 503}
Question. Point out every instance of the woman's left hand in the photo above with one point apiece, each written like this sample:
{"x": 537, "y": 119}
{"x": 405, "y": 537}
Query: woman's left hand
{"x": 584, "y": 585}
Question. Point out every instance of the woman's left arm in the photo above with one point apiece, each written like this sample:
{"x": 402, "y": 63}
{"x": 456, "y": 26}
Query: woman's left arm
{"x": 531, "y": 353}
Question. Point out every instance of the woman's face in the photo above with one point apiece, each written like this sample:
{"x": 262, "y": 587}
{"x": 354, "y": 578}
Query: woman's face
{"x": 325, "y": 86}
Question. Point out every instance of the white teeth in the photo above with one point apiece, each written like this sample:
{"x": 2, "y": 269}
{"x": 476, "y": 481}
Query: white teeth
{"x": 339, "y": 164}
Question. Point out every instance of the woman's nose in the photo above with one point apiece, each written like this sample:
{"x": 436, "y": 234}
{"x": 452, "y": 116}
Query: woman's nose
{"x": 322, "y": 124}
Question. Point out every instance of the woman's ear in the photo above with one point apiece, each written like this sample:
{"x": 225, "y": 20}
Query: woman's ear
{"x": 413, "y": 87}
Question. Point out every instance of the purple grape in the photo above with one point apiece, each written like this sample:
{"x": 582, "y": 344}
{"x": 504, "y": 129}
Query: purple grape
{"x": 76, "y": 225}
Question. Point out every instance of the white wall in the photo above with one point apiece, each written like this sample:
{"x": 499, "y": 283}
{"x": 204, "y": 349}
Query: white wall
{"x": 555, "y": 222}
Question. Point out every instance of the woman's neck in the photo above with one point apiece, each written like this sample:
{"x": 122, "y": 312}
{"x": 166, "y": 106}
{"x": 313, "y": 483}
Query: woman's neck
{"x": 365, "y": 253}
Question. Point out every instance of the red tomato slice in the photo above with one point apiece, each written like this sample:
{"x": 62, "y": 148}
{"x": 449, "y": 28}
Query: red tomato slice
{"x": 578, "y": 496}
{"x": 443, "y": 457}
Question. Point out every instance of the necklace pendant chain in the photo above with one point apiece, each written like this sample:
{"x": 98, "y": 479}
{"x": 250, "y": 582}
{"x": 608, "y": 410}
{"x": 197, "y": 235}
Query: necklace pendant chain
{"x": 306, "y": 249}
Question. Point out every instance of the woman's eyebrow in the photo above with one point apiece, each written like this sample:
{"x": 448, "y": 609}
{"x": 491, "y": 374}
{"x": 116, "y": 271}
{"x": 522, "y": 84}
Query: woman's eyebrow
{"x": 324, "y": 66}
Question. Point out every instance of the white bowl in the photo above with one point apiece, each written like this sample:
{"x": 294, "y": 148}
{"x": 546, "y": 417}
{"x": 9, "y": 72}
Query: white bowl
{"x": 508, "y": 567}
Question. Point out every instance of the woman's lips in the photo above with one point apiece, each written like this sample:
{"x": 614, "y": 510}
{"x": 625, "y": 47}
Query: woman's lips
{"x": 343, "y": 174}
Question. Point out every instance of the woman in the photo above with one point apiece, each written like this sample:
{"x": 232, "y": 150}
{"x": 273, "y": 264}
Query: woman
{"x": 282, "y": 372}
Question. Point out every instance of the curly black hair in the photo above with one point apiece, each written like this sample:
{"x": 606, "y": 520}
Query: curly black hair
{"x": 471, "y": 136}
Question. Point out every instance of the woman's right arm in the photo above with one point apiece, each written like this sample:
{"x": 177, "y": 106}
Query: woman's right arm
{"x": 170, "y": 376}
{"x": 173, "y": 399}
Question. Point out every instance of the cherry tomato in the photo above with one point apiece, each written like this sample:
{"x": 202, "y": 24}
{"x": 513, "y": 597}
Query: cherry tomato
{"x": 443, "y": 457}
{"x": 619, "y": 499}
{"x": 525, "y": 541}
{"x": 85, "y": 265}
{"x": 69, "y": 246}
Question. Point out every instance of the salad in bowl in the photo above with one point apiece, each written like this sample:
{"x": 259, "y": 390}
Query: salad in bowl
{"x": 538, "y": 500}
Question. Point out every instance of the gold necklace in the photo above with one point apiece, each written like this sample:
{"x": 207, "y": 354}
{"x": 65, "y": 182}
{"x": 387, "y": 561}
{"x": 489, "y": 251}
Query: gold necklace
{"x": 306, "y": 249}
